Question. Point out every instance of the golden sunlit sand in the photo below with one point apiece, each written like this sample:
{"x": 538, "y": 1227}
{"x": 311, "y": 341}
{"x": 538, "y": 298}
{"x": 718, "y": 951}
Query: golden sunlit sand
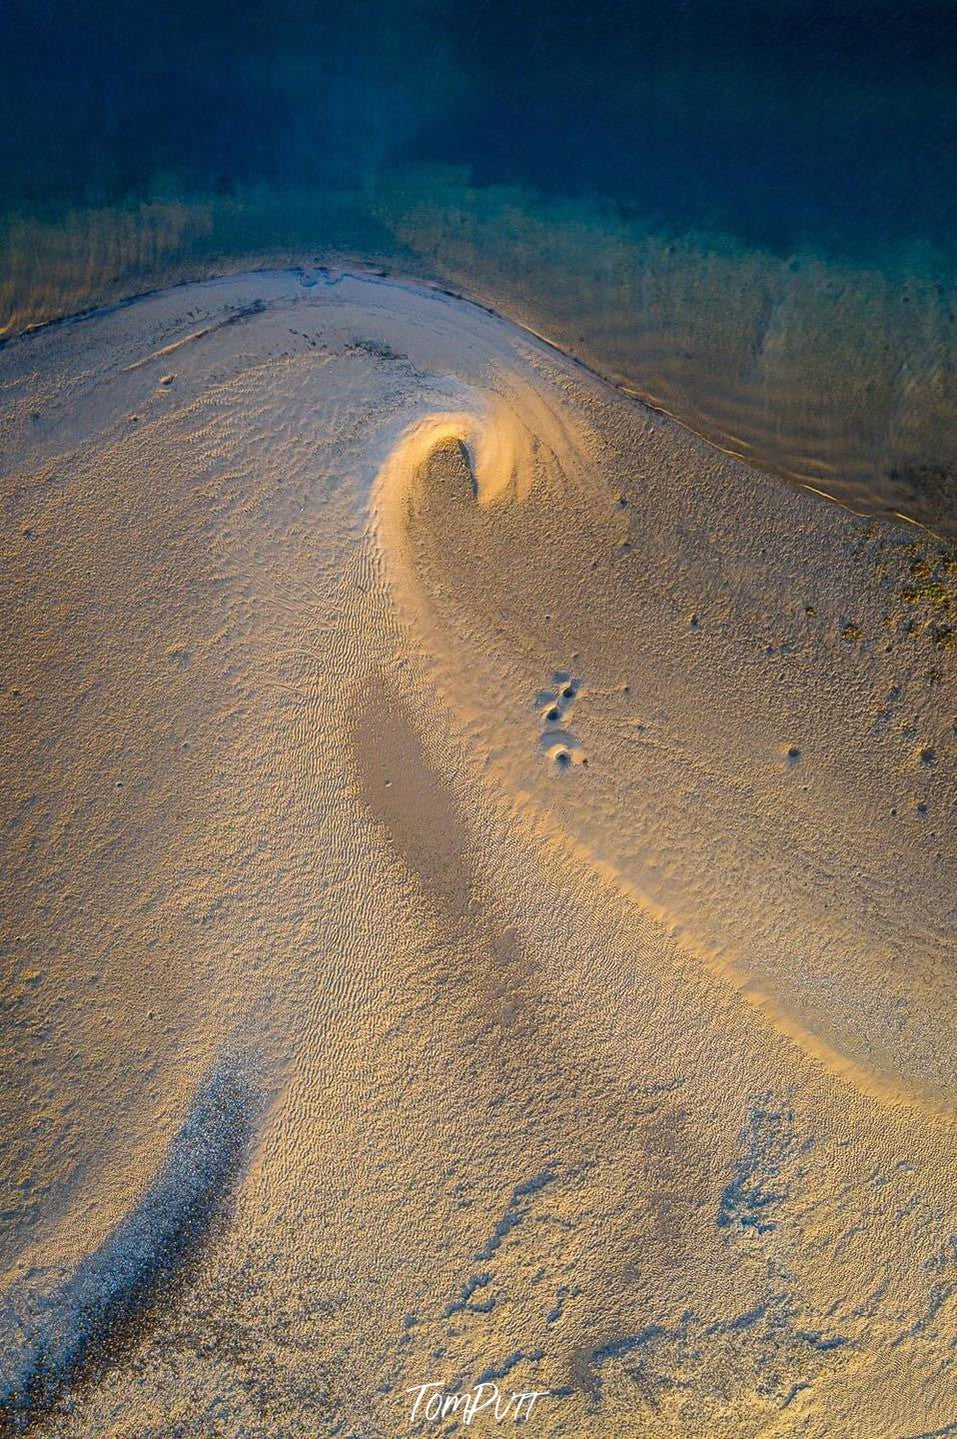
{"x": 479, "y": 896}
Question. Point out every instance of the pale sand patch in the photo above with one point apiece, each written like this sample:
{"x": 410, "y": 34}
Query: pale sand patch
{"x": 550, "y": 820}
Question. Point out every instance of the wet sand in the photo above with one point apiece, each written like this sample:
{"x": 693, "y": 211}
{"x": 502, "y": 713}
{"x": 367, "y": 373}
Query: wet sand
{"x": 478, "y": 895}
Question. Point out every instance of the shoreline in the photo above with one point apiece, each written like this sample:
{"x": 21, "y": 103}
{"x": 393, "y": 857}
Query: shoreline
{"x": 360, "y": 268}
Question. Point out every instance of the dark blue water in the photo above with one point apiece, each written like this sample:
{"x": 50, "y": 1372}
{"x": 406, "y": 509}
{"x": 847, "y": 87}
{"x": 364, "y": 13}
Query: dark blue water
{"x": 786, "y": 123}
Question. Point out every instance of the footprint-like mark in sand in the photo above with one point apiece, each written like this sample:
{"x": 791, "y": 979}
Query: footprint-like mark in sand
{"x": 555, "y": 704}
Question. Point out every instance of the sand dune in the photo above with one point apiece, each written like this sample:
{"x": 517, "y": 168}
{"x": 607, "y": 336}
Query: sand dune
{"x": 551, "y": 816}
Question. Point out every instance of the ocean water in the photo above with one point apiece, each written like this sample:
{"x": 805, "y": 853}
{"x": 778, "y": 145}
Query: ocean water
{"x": 742, "y": 211}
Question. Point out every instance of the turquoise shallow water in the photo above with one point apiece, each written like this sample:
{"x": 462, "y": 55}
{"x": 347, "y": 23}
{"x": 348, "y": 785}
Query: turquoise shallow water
{"x": 743, "y": 211}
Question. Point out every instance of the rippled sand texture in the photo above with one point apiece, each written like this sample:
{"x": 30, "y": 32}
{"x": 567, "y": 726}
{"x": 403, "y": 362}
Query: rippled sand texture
{"x": 479, "y": 896}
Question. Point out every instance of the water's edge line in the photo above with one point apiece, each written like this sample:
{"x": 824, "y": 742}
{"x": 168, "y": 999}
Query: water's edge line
{"x": 356, "y": 268}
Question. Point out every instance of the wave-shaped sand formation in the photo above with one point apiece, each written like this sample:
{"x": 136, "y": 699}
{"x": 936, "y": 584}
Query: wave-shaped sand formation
{"x": 563, "y": 811}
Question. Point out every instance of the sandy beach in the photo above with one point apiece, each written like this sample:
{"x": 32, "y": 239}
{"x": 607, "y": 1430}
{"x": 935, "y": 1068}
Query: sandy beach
{"x": 478, "y": 896}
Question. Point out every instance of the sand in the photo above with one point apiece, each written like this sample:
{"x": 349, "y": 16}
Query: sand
{"x": 479, "y": 896}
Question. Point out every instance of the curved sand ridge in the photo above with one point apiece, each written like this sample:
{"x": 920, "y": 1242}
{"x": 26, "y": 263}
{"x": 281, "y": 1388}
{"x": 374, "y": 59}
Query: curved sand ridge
{"x": 558, "y": 815}
{"x": 550, "y": 562}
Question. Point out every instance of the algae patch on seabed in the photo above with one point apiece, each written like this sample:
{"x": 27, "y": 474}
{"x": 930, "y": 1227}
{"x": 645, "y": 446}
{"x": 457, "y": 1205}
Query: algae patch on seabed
{"x": 54, "y": 1339}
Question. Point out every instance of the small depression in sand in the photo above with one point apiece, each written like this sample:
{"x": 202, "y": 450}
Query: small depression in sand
{"x": 478, "y": 895}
